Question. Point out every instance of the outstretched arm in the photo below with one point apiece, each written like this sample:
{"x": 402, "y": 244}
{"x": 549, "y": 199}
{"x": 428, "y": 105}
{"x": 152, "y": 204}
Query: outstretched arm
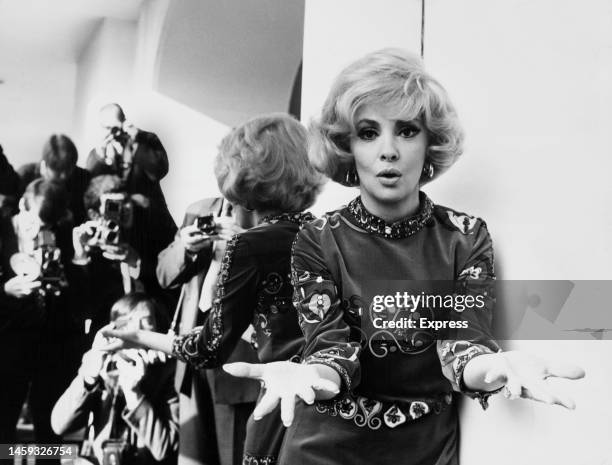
{"x": 284, "y": 381}
{"x": 523, "y": 375}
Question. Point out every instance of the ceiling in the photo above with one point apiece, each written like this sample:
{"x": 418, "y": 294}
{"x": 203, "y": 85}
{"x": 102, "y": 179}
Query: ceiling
{"x": 52, "y": 31}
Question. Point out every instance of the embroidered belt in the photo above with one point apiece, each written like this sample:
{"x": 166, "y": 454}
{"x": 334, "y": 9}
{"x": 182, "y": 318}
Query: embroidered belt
{"x": 374, "y": 414}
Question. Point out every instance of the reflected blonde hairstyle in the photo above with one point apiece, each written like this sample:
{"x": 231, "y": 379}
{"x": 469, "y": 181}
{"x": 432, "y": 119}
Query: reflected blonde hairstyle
{"x": 397, "y": 80}
{"x": 263, "y": 165}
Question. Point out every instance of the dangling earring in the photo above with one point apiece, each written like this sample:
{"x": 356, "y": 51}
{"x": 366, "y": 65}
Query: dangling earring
{"x": 428, "y": 170}
{"x": 351, "y": 178}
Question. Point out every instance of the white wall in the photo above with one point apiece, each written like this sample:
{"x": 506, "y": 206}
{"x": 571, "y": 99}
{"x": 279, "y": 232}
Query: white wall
{"x": 531, "y": 83}
{"x": 105, "y": 74}
{"x": 36, "y": 101}
{"x": 335, "y": 34}
{"x": 531, "y": 80}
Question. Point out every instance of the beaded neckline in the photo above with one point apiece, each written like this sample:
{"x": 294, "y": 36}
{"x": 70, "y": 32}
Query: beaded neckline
{"x": 294, "y": 217}
{"x": 398, "y": 230}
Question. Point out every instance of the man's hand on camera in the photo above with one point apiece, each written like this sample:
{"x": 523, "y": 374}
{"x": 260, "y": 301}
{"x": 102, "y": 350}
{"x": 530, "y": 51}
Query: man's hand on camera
{"x": 80, "y": 237}
{"x": 131, "y": 367}
{"x": 20, "y": 287}
{"x": 109, "y": 142}
{"x": 193, "y": 239}
{"x": 93, "y": 360}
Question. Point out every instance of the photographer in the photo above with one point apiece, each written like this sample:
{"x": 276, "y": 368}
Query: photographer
{"x": 116, "y": 250}
{"x": 39, "y": 326}
{"x": 136, "y": 156}
{"x": 59, "y": 164}
{"x": 129, "y": 392}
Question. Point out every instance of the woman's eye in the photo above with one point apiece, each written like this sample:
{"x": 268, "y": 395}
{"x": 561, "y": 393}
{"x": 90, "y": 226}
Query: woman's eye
{"x": 409, "y": 131}
{"x": 367, "y": 134}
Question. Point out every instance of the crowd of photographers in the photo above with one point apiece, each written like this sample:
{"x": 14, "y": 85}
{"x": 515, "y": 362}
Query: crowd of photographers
{"x": 78, "y": 251}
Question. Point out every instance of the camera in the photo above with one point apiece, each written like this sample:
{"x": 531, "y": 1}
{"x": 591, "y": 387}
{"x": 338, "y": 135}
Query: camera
{"x": 116, "y": 213}
{"x": 206, "y": 224}
{"x": 49, "y": 259}
{"x": 116, "y": 452}
{"x": 120, "y": 135}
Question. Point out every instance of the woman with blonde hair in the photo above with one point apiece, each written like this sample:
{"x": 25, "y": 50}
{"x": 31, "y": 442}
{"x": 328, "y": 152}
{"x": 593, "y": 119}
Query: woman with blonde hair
{"x": 380, "y": 369}
{"x": 263, "y": 167}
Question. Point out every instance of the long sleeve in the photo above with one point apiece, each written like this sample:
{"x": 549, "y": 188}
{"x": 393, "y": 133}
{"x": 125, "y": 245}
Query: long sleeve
{"x": 157, "y": 426}
{"x": 321, "y": 315}
{"x": 72, "y": 408}
{"x": 476, "y": 278}
{"x": 175, "y": 266}
{"x": 211, "y": 344}
{"x": 151, "y": 155}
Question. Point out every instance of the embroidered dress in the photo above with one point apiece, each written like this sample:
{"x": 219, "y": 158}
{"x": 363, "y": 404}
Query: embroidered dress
{"x": 396, "y": 403}
{"x": 254, "y": 287}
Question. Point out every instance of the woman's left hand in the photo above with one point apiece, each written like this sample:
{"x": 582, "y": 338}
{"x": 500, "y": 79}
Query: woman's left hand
{"x": 524, "y": 375}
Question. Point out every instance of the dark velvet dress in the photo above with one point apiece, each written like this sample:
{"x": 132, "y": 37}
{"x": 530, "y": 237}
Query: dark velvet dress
{"x": 254, "y": 287}
{"x": 396, "y": 403}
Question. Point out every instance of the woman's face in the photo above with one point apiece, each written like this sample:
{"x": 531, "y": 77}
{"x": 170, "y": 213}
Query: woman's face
{"x": 389, "y": 156}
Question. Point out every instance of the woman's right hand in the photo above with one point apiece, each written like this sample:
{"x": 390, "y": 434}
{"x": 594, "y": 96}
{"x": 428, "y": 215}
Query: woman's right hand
{"x": 20, "y": 287}
{"x": 283, "y": 381}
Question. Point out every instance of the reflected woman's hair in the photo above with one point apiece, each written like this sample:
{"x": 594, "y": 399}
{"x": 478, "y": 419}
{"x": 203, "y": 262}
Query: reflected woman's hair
{"x": 263, "y": 165}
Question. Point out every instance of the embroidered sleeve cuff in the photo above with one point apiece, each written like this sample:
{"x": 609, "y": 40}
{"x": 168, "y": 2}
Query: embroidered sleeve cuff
{"x": 342, "y": 372}
{"x": 185, "y": 348}
{"x": 474, "y": 350}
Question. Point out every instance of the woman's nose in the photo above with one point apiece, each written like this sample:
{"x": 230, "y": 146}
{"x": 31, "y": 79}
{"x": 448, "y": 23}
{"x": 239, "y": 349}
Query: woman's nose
{"x": 389, "y": 156}
{"x": 388, "y": 150}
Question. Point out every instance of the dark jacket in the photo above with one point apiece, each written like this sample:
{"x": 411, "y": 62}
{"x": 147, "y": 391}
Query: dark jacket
{"x": 149, "y": 166}
{"x": 56, "y": 315}
{"x": 76, "y": 185}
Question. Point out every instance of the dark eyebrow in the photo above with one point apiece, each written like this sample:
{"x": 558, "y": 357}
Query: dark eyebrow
{"x": 411, "y": 122}
{"x": 369, "y": 122}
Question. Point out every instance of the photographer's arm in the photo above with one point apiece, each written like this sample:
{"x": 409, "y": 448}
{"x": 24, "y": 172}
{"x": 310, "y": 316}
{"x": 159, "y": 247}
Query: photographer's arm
{"x": 72, "y": 408}
{"x": 151, "y": 155}
{"x": 176, "y": 264}
{"x": 155, "y": 420}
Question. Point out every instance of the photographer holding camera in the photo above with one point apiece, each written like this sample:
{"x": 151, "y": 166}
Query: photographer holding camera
{"x": 39, "y": 325}
{"x": 136, "y": 156}
{"x": 116, "y": 249}
{"x": 130, "y": 393}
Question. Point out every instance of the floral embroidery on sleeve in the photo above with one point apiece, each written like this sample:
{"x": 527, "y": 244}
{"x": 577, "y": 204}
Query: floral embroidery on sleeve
{"x": 321, "y": 317}
{"x": 190, "y": 348}
{"x": 476, "y": 278}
